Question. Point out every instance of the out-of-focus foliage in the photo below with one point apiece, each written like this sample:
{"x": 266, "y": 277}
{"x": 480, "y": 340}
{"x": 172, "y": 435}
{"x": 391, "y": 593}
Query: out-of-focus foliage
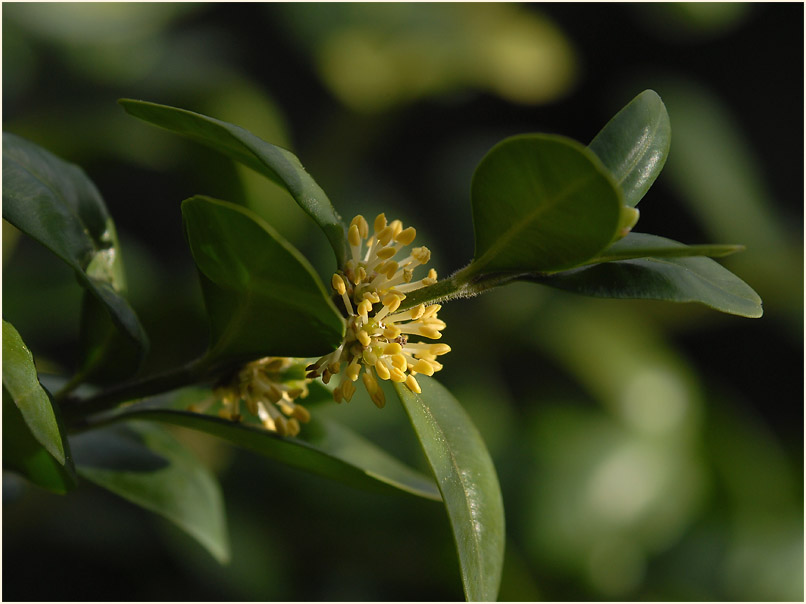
{"x": 377, "y": 57}
{"x": 645, "y": 450}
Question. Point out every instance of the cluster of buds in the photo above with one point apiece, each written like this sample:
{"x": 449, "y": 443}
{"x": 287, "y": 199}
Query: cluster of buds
{"x": 264, "y": 387}
{"x": 372, "y": 286}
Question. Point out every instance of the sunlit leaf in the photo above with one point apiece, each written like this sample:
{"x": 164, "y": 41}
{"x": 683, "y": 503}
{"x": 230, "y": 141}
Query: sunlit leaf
{"x": 24, "y": 454}
{"x": 467, "y": 480}
{"x": 634, "y": 145}
{"x": 541, "y": 203}
{"x": 276, "y": 163}
{"x": 22, "y": 384}
{"x": 324, "y": 447}
{"x": 55, "y": 203}
{"x": 262, "y": 296}
{"x": 673, "y": 279}
{"x": 145, "y": 465}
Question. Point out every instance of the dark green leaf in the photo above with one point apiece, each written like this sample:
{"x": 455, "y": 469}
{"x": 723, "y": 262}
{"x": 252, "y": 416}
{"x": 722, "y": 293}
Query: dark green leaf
{"x": 324, "y": 447}
{"x": 634, "y": 145}
{"x": 55, "y": 203}
{"x": 105, "y": 352}
{"x": 21, "y": 381}
{"x": 24, "y": 454}
{"x": 263, "y": 297}
{"x": 641, "y": 245}
{"x": 541, "y": 203}
{"x": 279, "y": 165}
{"x": 673, "y": 279}
{"x": 467, "y": 480}
{"x": 148, "y": 467}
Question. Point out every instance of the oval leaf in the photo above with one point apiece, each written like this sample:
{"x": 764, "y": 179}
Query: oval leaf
{"x": 541, "y": 203}
{"x": 467, "y": 480}
{"x": 642, "y": 245}
{"x": 145, "y": 465}
{"x": 262, "y": 296}
{"x": 634, "y": 145}
{"x": 324, "y": 447}
{"x": 21, "y": 381}
{"x": 672, "y": 279}
{"x": 279, "y": 165}
{"x": 55, "y": 203}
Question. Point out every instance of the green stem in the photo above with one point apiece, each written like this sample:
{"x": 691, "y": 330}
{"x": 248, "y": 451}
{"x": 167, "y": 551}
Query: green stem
{"x": 74, "y": 410}
{"x": 464, "y": 283}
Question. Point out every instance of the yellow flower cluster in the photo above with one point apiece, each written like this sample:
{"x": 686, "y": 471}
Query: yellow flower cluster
{"x": 267, "y": 394}
{"x": 371, "y": 287}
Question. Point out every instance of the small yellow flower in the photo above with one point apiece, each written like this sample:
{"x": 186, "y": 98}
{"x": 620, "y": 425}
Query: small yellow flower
{"x": 371, "y": 287}
{"x": 266, "y": 392}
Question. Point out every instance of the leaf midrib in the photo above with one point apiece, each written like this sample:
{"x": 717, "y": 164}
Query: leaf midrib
{"x": 536, "y": 213}
{"x": 477, "y": 546}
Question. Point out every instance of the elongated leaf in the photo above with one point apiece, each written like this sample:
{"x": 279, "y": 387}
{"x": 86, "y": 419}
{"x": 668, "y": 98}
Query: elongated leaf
{"x": 634, "y": 145}
{"x": 262, "y": 296}
{"x": 279, "y": 165}
{"x": 541, "y": 203}
{"x": 324, "y": 447}
{"x": 673, "y": 279}
{"x": 24, "y": 454}
{"x": 642, "y": 245}
{"x": 467, "y": 480}
{"x": 55, "y": 203}
{"x": 21, "y": 381}
{"x": 145, "y": 465}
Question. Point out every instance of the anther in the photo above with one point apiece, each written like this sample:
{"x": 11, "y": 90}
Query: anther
{"x": 406, "y": 236}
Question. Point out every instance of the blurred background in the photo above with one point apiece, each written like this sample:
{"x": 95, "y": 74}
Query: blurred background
{"x": 646, "y": 450}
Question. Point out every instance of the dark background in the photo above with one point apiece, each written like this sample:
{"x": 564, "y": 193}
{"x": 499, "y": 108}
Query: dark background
{"x": 601, "y": 504}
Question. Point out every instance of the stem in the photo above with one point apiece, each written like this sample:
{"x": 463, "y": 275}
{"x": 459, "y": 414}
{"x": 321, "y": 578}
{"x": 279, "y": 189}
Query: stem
{"x": 191, "y": 373}
{"x": 464, "y": 283}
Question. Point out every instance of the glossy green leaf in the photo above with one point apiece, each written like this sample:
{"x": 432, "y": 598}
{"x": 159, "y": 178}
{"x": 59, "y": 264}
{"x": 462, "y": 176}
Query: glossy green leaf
{"x": 467, "y": 480}
{"x": 145, "y": 465}
{"x": 55, "y": 203}
{"x": 324, "y": 447}
{"x": 634, "y": 145}
{"x": 262, "y": 296}
{"x": 673, "y": 279}
{"x": 541, "y": 203}
{"x": 642, "y": 245}
{"x": 21, "y": 381}
{"x": 279, "y": 165}
{"x": 24, "y": 454}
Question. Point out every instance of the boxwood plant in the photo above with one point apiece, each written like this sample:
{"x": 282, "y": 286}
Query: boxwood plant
{"x": 546, "y": 209}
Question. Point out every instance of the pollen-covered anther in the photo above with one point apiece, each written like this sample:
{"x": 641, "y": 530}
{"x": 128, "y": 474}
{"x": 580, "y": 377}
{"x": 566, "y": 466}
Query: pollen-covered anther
{"x": 421, "y": 254}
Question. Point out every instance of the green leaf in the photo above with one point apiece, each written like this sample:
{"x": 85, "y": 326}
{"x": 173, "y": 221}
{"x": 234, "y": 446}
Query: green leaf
{"x": 641, "y": 245}
{"x": 324, "y": 447}
{"x": 541, "y": 203}
{"x": 24, "y": 454}
{"x": 21, "y": 381}
{"x": 634, "y": 145}
{"x": 672, "y": 279}
{"x": 55, "y": 203}
{"x": 145, "y": 465}
{"x": 467, "y": 480}
{"x": 262, "y": 296}
{"x": 279, "y": 165}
